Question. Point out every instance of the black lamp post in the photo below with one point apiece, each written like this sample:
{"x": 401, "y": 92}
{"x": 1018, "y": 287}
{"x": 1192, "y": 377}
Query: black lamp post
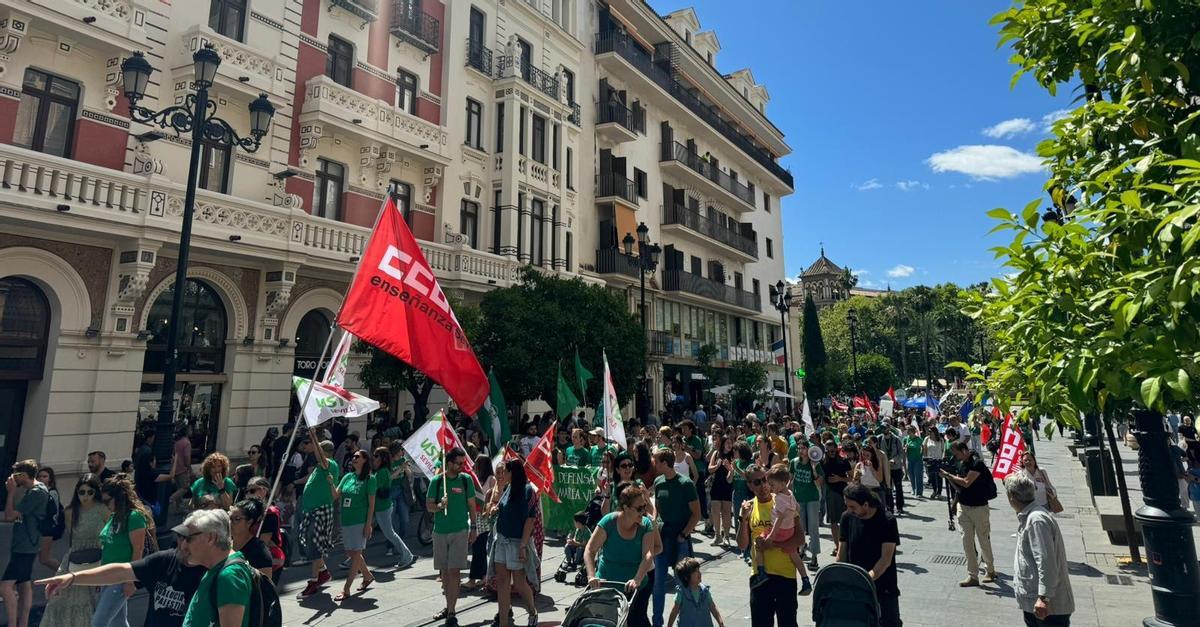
{"x": 198, "y": 117}
{"x": 647, "y": 259}
{"x": 852, "y": 319}
{"x": 781, "y": 300}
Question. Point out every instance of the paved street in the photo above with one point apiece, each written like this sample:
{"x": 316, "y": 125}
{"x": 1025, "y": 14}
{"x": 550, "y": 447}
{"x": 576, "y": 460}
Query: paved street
{"x": 930, "y": 567}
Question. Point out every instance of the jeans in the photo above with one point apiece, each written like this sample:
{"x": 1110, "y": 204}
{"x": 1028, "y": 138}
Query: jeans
{"x": 574, "y": 554}
{"x": 774, "y": 603}
{"x": 112, "y": 608}
{"x": 810, "y": 517}
{"x": 399, "y": 513}
{"x": 898, "y": 487}
{"x": 672, "y": 552}
{"x": 1053, "y": 620}
{"x": 935, "y": 480}
{"x": 384, "y": 520}
{"x": 916, "y": 476}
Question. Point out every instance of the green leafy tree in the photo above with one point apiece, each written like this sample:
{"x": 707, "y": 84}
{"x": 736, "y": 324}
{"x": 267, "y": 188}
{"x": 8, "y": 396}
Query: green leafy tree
{"x": 529, "y": 327}
{"x": 876, "y": 374}
{"x": 706, "y": 355}
{"x": 816, "y": 381}
{"x": 749, "y": 381}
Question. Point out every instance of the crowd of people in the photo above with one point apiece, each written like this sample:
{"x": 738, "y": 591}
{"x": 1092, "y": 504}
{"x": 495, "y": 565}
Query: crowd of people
{"x": 760, "y": 485}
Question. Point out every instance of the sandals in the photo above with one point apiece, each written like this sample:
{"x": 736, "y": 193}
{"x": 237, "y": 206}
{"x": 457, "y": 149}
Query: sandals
{"x": 341, "y": 596}
{"x": 366, "y": 584}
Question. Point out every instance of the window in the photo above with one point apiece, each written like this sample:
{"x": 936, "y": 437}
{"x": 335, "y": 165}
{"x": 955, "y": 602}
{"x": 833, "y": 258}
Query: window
{"x": 520, "y": 224}
{"x": 468, "y": 222}
{"x": 554, "y": 146}
{"x": 687, "y": 37}
{"x": 227, "y": 17}
{"x": 406, "y": 92}
{"x": 339, "y": 61}
{"x": 497, "y": 223}
{"x": 737, "y": 280}
{"x": 46, "y": 117}
{"x": 754, "y": 282}
{"x": 537, "y": 247}
{"x": 521, "y": 131}
{"x": 539, "y": 139}
{"x": 474, "y": 124}
{"x": 767, "y": 202}
{"x": 710, "y": 57}
{"x": 526, "y": 52}
{"x": 569, "y": 247}
{"x": 500, "y": 127}
{"x": 569, "y": 85}
{"x": 770, "y": 249}
{"x": 214, "y": 167}
{"x": 475, "y": 33}
{"x": 639, "y": 183}
{"x": 697, "y": 266}
{"x": 570, "y": 169}
{"x": 327, "y": 195}
{"x": 402, "y": 192}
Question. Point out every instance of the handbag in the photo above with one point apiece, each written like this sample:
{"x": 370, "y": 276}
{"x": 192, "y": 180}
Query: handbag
{"x": 1053, "y": 504}
{"x": 84, "y": 556}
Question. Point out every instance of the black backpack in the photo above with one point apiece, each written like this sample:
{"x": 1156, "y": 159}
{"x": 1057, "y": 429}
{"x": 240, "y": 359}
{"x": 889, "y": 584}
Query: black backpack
{"x": 264, "y": 609}
{"x": 53, "y": 521}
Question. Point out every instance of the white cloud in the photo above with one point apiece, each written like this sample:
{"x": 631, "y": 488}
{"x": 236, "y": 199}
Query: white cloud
{"x": 1049, "y": 119}
{"x": 985, "y": 162}
{"x": 908, "y": 186}
{"x": 1010, "y": 128}
{"x": 860, "y": 272}
{"x": 900, "y": 271}
{"x": 869, "y": 185}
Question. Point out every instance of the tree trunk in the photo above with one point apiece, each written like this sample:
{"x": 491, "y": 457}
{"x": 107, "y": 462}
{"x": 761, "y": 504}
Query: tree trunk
{"x": 1123, "y": 492}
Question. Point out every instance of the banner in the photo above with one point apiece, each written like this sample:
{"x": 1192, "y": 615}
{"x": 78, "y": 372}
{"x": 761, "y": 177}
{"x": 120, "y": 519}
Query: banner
{"x": 423, "y": 449}
{"x": 809, "y": 428}
{"x": 886, "y": 408}
{"x": 328, "y": 401}
{"x": 1012, "y": 445}
{"x": 335, "y": 373}
{"x": 396, "y": 304}
{"x": 614, "y": 428}
{"x": 575, "y": 487}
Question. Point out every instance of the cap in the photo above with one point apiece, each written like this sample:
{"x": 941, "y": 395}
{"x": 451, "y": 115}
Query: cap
{"x": 597, "y": 432}
{"x": 181, "y": 529}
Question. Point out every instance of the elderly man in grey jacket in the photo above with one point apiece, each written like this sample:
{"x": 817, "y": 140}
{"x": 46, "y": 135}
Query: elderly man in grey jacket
{"x": 1041, "y": 583}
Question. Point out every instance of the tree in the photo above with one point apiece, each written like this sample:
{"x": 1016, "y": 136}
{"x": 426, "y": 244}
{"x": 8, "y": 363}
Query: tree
{"x": 876, "y": 374}
{"x": 816, "y": 383}
{"x": 528, "y": 327}
{"x": 705, "y": 355}
{"x": 383, "y": 371}
{"x": 749, "y": 381}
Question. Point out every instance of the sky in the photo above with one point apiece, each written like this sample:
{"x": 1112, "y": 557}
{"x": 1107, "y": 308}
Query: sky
{"x": 903, "y": 128}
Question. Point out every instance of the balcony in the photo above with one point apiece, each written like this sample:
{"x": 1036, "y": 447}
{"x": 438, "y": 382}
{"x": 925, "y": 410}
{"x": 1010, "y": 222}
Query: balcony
{"x": 575, "y": 116}
{"x": 615, "y": 261}
{"x": 615, "y": 188}
{"x": 416, "y": 27}
{"x": 243, "y": 68}
{"x": 349, "y": 111}
{"x": 704, "y": 230}
{"x": 365, "y": 10}
{"x": 110, "y": 25}
{"x": 611, "y": 46}
{"x": 693, "y": 168}
{"x": 479, "y": 57}
{"x": 661, "y": 343}
{"x": 618, "y": 123}
{"x": 680, "y": 281}
{"x": 508, "y": 66}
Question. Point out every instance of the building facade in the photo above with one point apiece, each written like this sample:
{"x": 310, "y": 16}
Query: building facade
{"x": 484, "y": 117}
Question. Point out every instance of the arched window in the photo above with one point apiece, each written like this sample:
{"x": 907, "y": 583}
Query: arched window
{"x": 202, "y": 327}
{"x": 24, "y": 326}
{"x": 312, "y": 333}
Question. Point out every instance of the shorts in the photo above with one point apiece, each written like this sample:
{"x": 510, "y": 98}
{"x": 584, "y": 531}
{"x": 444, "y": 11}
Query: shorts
{"x": 506, "y": 552}
{"x": 835, "y": 506}
{"x": 353, "y": 538}
{"x": 450, "y": 551}
{"x": 20, "y": 567}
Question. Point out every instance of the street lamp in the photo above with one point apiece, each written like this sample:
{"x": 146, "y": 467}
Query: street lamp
{"x": 852, "y": 319}
{"x": 647, "y": 260}
{"x": 781, "y": 299}
{"x": 196, "y": 116}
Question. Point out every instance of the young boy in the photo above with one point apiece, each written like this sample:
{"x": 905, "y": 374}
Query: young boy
{"x": 577, "y": 540}
{"x": 693, "y": 601}
{"x": 783, "y": 519}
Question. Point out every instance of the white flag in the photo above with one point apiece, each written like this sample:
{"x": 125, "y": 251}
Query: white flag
{"x": 614, "y": 428}
{"x": 329, "y": 401}
{"x": 335, "y": 373}
{"x": 423, "y": 448}
{"x": 809, "y": 428}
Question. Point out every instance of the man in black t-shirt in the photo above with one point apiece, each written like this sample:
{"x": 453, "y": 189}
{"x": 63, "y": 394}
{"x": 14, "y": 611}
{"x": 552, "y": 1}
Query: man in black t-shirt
{"x": 869, "y": 541}
{"x": 837, "y": 476}
{"x": 170, "y": 581}
{"x": 974, "y": 518}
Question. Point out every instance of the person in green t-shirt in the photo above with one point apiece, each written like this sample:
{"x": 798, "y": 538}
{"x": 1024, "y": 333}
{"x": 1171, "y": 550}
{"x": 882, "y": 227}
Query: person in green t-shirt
{"x": 579, "y": 453}
{"x": 223, "y": 597}
{"x": 914, "y": 450}
{"x": 356, "y": 494}
{"x": 316, "y": 524}
{"x": 451, "y": 498}
{"x": 678, "y": 509}
{"x": 382, "y": 458}
{"x": 214, "y": 479}
{"x": 122, "y": 540}
{"x": 808, "y": 477}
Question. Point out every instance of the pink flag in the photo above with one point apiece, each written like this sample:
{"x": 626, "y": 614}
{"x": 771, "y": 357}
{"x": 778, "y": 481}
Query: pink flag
{"x": 1011, "y": 447}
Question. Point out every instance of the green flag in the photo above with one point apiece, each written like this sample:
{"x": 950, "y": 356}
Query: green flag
{"x": 494, "y": 415}
{"x": 567, "y": 401}
{"x": 582, "y": 375}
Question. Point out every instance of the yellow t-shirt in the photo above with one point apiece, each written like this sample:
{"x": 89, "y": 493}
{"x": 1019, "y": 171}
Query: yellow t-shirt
{"x": 775, "y": 561}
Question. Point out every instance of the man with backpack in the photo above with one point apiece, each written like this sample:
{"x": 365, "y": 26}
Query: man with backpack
{"x": 28, "y": 513}
{"x": 231, "y": 593}
{"x": 975, "y": 487}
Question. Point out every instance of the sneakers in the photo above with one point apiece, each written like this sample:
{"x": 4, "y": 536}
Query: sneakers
{"x": 805, "y": 587}
{"x": 812, "y": 563}
{"x": 969, "y": 582}
{"x": 323, "y": 577}
{"x": 312, "y": 588}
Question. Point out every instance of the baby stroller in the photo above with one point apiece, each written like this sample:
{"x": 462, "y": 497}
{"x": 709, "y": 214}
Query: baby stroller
{"x": 844, "y": 596}
{"x": 593, "y": 509}
{"x": 606, "y": 606}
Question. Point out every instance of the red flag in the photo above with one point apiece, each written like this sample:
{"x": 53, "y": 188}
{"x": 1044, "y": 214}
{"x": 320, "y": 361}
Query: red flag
{"x": 838, "y": 406}
{"x": 985, "y": 433}
{"x": 1012, "y": 445}
{"x": 539, "y": 467}
{"x": 892, "y": 395}
{"x": 448, "y": 440}
{"x": 396, "y": 304}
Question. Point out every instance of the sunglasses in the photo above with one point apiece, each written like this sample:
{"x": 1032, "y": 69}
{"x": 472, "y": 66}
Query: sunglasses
{"x": 179, "y": 537}
{"x": 624, "y": 465}
{"x": 253, "y": 452}
{"x": 641, "y": 509}
{"x": 86, "y": 492}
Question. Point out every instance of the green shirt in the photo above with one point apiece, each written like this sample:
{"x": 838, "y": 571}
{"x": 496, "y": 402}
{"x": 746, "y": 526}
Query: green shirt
{"x": 234, "y": 583}
{"x": 694, "y": 443}
{"x": 672, "y": 502}
{"x": 915, "y": 448}
{"x": 383, "y": 490}
{"x": 203, "y": 487}
{"x": 579, "y": 456}
{"x": 318, "y": 490}
{"x": 461, "y": 493}
{"x": 620, "y": 558}
{"x": 804, "y": 481}
{"x": 115, "y": 547}
{"x": 356, "y": 495}
{"x": 739, "y": 474}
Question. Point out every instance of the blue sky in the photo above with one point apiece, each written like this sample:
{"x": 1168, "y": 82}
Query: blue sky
{"x": 903, "y": 127}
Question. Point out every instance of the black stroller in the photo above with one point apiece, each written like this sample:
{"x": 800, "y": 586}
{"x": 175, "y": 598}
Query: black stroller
{"x": 606, "y": 606}
{"x": 844, "y": 596}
